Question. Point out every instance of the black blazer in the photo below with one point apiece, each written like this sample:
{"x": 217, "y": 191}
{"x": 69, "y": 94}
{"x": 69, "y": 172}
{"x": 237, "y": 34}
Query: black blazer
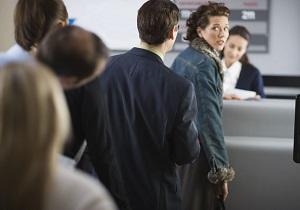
{"x": 150, "y": 113}
{"x": 86, "y": 112}
{"x": 251, "y": 79}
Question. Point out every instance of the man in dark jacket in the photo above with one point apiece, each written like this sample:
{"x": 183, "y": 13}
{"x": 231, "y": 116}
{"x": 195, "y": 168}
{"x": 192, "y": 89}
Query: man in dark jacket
{"x": 150, "y": 112}
{"x": 75, "y": 65}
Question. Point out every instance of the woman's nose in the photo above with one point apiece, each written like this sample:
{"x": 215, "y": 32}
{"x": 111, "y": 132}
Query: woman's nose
{"x": 222, "y": 33}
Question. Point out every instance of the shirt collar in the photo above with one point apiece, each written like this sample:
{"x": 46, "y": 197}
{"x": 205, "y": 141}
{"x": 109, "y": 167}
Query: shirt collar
{"x": 236, "y": 66}
{"x": 146, "y": 46}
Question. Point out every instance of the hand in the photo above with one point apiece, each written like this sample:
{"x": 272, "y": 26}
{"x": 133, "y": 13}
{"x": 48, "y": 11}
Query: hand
{"x": 231, "y": 97}
{"x": 222, "y": 190}
{"x": 257, "y": 97}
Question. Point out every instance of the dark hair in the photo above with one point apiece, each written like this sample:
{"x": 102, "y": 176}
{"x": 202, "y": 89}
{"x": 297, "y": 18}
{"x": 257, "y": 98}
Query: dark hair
{"x": 35, "y": 18}
{"x": 243, "y": 32}
{"x": 200, "y": 18}
{"x": 156, "y": 18}
{"x": 72, "y": 51}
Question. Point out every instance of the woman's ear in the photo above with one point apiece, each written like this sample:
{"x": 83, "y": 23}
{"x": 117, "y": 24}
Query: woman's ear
{"x": 199, "y": 31}
{"x": 62, "y": 23}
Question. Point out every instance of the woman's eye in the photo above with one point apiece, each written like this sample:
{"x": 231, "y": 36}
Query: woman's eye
{"x": 215, "y": 28}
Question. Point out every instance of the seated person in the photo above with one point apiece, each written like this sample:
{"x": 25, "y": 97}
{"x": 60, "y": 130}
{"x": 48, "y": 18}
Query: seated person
{"x": 34, "y": 122}
{"x": 238, "y": 72}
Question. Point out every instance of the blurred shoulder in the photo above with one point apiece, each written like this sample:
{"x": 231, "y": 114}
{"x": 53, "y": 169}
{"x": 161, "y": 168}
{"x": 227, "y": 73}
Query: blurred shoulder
{"x": 250, "y": 67}
{"x": 71, "y": 189}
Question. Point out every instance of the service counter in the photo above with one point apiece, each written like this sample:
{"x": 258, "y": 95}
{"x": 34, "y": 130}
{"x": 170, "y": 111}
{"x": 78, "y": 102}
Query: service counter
{"x": 259, "y": 137}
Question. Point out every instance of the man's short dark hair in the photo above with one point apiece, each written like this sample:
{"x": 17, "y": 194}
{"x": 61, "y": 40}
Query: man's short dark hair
{"x": 72, "y": 51}
{"x": 156, "y": 18}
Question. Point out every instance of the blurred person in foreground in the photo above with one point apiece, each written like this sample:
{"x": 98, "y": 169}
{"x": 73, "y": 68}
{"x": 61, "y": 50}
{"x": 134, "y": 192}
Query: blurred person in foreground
{"x": 33, "y": 19}
{"x": 34, "y": 122}
{"x": 77, "y": 66}
{"x": 77, "y": 58}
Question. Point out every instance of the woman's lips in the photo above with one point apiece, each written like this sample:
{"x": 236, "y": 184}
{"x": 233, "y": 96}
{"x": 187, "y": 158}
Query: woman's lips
{"x": 220, "y": 42}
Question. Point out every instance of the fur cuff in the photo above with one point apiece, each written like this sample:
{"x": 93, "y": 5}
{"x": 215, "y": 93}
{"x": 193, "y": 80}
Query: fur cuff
{"x": 220, "y": 175}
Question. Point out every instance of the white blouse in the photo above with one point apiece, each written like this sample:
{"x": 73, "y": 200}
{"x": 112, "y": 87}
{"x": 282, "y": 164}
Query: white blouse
{"x": 231, "y": 75}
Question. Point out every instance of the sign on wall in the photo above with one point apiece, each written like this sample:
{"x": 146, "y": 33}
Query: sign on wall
{"x": 115, "y": 20}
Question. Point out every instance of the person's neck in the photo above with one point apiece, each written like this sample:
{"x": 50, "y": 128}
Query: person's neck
{"x": 33, "y": 50}
{"x": 227, "y": 64}
{"x": 159, "y": 50}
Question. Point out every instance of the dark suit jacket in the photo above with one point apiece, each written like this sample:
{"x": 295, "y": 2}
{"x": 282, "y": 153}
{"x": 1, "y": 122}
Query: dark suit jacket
{"x": 150, "y": 113}
{"x": 251, "y": 79}
{"x": 86, "y": 111}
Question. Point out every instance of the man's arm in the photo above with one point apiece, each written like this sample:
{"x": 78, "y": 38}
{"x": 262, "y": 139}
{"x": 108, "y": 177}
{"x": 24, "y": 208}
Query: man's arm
{"x": 76, "y": 139}
{"x": 185, "y": 144}
{"x": 100, "y": 148}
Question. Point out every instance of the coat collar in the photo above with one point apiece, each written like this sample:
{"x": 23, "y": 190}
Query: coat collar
{"x": 151, "y": 48}
{"x": 146, "y": 54}
{"x": 202, "y": 46}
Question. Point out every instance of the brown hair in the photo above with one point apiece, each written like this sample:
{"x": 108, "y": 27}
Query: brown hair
{"x": 242, "y": 32}
{"x": 200, "y": 18}
{"x": 35, "y": 18}
{"x": 72, "y": 51}
{"x": 34, "y": 121}
{"x": 156, "y": 18}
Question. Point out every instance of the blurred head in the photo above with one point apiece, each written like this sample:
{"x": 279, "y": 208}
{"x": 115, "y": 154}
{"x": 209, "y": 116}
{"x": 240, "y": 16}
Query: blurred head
{"x": 210, "y": 23}
{"x": 157, "y": 21}
{"x": 34, "y": 122}
{"x": 74, "y": 54}
{"x": 35, "y": 18}
{"x": 236, "y": 46}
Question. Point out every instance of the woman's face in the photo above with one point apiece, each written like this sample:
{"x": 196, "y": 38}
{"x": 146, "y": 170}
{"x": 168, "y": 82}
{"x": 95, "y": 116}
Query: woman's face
{"x": 235, "y": 48}
{"x": 216, "y": 32}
